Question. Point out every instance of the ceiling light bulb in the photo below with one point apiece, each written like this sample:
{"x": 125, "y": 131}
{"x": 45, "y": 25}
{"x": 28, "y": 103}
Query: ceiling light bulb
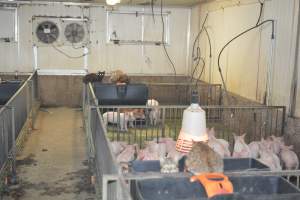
{"x": 112, "y": 2}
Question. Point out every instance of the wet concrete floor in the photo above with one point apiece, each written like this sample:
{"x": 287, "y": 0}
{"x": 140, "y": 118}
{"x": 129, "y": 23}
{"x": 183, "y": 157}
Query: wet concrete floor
{"x": 53, "y": 162}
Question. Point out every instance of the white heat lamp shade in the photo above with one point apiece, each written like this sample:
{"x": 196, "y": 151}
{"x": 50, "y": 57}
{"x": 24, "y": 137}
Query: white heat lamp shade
{"x": 112, "y": 2}
{"x": 194, "y": 123}
{"x": 193, "y": 128}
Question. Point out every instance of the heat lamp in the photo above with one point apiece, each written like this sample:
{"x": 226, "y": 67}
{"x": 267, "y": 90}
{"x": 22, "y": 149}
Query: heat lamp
{"x": 193, "y": 127}
{"x": 112, "y": 2}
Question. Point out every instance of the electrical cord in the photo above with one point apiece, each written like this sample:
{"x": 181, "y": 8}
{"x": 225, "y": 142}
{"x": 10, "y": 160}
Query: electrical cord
{"x": 198, "y": 61}
{"x": 236, "y": 37}
{"x": 163, "y": 38}
{"x": 210, "y": 56}
{"x": 209, "y": 42}
{"x": 198, "y": 56}
{"x": 260, "y": 12}
{"x": 79, "y": 47}
{"x": 203, "y": 61}
{"x": 198, "y": 35}
{"x": 210, "y": 62}
{"x": 165, "y": 49}
{"x": 199, "y": 77}
{"x": 67, "y": 55}
{"x": 152, "y": 10}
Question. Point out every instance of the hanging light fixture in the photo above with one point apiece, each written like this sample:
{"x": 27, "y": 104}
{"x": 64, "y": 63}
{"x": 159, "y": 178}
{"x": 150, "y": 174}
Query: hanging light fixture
{"x": 112, "y": 2}
{"x": 193, "y": 127}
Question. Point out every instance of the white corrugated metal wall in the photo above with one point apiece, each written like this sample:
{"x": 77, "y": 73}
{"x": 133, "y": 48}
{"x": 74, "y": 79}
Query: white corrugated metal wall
{"x": 245, "y": 62}
{"x": 134, "y": 59}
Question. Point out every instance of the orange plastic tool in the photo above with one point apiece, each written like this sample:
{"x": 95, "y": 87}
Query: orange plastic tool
{"x": 214, "y": 183}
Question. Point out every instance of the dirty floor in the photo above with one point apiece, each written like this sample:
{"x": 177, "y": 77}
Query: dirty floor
{"x": 53, "y": 162}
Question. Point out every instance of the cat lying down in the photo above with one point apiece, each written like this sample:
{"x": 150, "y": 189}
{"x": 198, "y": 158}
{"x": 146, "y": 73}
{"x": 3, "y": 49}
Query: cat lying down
{"x": 203, "y": 159}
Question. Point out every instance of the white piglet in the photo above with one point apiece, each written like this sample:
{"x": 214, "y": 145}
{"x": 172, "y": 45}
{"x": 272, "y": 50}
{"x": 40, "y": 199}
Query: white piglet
{"x": 127, "y": 154}
{"x": 241, "y": 149}
{"x": 269, "y": 158}
{"x": 119, "y": 118}
{"x": 153, "y": 151}
{"x": 154, "y": 113}
{"x": 220, "y": 146}
{"x": 276, "y": 144}
{"x": 289, "y": 158}
{"x": 152, "y": 102}
{"x": 118, "y": 147}
{"x": 254, "y": 149}
{"x": 212, "y": 135}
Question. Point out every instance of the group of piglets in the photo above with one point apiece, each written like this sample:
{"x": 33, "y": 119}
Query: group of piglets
{"x": 272, "y": 151}
{"x": 127, "y": 117}
{"x": 162, "y": 149}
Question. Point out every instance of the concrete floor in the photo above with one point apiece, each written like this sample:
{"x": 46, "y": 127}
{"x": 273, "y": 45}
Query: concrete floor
{"x": 53, "y": 162}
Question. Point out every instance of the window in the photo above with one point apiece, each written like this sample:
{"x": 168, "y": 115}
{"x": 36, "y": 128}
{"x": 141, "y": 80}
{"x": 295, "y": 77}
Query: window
{"x": 8, "y": 24}
{"x": 136, "y": 28}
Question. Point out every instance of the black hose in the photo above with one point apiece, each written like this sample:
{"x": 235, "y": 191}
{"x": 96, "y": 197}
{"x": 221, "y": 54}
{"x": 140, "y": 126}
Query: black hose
{"x": 198, "y": 57}
{"x": 209, "y": 42}
{"x": 239, "y": 35}
{"x": 163, "y": 38}
{"x": 201, "y": 59}
{"x": 152, "y": 9}
{"x": 198, "y": 35}
{"x": 199, "y": 77}
{"x": 260, "y": 12}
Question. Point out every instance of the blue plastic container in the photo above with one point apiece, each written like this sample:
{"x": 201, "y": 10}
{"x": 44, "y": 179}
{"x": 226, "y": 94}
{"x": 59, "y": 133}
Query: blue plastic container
{"x": 245, "y": 188}
{"x": 8, "y": 89}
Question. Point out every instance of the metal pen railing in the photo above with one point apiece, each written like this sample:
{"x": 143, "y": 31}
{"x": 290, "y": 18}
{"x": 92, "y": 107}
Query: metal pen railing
{"x": 180, "y": 93}
{"x": 256, "y": 121}
{"x": 13, "y": 116}
{"x": 110, "y": 184}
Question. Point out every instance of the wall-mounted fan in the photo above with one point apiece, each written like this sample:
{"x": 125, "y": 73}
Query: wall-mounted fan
{"x": 74, "y": 33}
{"x": 47, "y": 32}
{"x": 60, "y": 31}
